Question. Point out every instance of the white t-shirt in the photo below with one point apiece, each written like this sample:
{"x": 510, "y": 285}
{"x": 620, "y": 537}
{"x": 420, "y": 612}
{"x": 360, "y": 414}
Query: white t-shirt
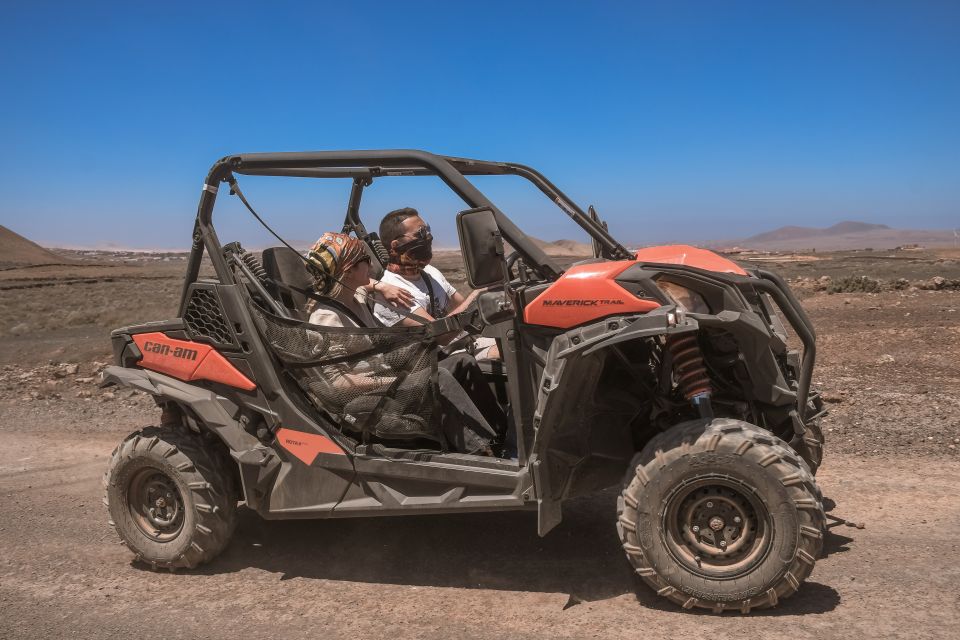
{"x": 344, "y": 374}
{"x": 442, "y": 293}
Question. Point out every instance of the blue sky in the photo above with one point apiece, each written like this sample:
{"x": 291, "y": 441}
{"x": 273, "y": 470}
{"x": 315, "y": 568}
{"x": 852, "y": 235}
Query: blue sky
{"x": 680, "y": 121}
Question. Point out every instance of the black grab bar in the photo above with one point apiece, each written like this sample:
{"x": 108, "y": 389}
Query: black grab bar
{"x": 779, "y": 291}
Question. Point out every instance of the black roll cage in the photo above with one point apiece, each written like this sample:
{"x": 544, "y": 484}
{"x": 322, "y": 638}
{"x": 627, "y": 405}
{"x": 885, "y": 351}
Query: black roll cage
{"x": 363, "y": 167}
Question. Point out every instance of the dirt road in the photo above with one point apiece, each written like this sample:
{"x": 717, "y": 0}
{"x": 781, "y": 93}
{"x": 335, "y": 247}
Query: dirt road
{"x": 62, "y": 573}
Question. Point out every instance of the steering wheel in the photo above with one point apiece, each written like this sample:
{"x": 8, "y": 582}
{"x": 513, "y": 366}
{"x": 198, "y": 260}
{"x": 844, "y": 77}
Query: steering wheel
{"x": 511, "y": 260}
{"x": 472, "y": 325}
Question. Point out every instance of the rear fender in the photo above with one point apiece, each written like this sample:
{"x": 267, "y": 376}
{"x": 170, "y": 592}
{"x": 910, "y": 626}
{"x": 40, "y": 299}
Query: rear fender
{"x": 257, "y": 464}
{"x": 215, "y": 411}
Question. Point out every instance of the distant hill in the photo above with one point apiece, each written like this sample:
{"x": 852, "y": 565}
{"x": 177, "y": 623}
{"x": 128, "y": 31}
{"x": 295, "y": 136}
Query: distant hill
{"x": 843, "y": 235}
{"x": 564, "y": 247}
{"x": 796, "y": 233}
{"x": 853, "y": 227}
{"x": 17, "y": 251}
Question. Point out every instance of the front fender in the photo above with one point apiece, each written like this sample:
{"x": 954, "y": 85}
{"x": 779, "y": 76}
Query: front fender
{"x": 583, "y": 442}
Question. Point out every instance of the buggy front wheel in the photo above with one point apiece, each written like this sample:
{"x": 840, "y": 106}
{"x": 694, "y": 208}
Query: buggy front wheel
{"x": 720, "y": 515}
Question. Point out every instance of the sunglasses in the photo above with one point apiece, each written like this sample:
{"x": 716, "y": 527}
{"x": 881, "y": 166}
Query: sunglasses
{"x": 418, "y": 246}
{"x": 423, "y": 233}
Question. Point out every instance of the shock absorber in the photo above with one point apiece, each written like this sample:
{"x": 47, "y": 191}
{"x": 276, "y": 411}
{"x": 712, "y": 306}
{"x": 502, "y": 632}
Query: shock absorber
{"x": 382, "y": 254}
{"x": 254, "y": 265}
{"x": 691, "y": 371}
{"x": 250, "y": 261}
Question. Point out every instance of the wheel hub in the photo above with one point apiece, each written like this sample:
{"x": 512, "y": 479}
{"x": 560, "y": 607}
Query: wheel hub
{"x": 716, "y": 527}
{"x": 155, "y": 504}
{"x": 716, "y": 521}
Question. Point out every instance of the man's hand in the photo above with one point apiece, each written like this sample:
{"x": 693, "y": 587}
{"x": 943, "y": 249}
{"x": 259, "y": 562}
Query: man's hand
{"x": 465, "y": 303}
{"x": 396, "y": 296}
{"x": 473, "y": 295}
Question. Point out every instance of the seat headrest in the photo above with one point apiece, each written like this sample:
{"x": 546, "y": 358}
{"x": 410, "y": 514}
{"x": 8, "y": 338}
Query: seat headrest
{"x": 285, "y": 265}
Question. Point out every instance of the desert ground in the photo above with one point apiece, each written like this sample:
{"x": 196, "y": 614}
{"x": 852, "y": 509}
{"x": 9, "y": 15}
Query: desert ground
{"x": 889, "y": 367}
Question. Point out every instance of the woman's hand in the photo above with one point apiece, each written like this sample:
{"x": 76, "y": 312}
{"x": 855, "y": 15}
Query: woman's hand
{"x": 396, "y": 296}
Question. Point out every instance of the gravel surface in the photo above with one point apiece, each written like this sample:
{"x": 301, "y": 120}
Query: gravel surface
{"x": 888, "y": 368}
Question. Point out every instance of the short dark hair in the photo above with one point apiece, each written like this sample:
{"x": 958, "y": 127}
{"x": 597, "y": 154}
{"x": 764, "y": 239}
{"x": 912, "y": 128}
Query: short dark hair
{"x": 391, "y": 227}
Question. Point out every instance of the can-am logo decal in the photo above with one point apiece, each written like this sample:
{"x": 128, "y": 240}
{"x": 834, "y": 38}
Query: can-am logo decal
{"x": 580, "y": 303}
{"x": 188, "y": 361}
{"x": 165, "y": 350}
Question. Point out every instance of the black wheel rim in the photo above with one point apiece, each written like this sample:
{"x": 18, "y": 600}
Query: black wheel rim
{"x": 717, "y": 527}
{"x": 155, "y": 504}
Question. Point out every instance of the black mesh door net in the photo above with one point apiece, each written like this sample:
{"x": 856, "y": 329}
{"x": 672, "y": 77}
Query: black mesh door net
{"x": 379, "y": 382}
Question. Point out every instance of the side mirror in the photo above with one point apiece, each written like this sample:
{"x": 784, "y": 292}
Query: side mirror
{"x": 482, "y": 247}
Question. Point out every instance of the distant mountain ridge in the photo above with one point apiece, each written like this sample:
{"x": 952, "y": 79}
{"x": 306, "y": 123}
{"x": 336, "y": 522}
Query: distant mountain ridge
{"x": 794, "y": 232}
{"x": 843, "y": 235}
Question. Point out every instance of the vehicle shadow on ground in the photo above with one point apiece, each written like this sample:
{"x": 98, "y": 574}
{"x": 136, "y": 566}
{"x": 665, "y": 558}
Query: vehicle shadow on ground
{"x": 581, "y": 558}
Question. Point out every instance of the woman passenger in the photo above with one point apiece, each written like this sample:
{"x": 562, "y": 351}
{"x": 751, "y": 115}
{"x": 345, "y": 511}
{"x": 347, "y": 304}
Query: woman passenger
{"x": 341, "y": 266}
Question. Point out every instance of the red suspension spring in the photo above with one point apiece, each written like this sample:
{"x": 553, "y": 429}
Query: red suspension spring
{"x": 688, "y": 365}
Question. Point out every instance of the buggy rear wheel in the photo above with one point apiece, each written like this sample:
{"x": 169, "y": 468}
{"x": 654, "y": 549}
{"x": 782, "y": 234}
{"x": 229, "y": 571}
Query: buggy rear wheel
{"x": 171, "y": 500}
{"x": 721, "y": 515}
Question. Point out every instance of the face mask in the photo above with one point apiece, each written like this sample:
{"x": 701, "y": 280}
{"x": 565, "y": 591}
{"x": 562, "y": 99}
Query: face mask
{"x": 413, "y": 252}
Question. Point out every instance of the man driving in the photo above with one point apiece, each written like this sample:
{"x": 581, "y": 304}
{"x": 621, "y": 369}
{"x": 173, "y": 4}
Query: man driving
{"x": 409, "y": 243}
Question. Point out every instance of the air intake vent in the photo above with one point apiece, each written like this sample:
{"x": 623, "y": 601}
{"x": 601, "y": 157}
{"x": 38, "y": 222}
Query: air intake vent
{"x": 204, "y": 318}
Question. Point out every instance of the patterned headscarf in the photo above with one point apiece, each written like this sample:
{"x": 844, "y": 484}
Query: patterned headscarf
{"x": 330, "y": 257}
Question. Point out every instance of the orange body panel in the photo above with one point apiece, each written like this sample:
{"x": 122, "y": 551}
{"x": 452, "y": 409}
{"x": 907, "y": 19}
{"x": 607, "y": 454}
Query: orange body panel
{"x": 188, "y": 360}
{"x": 585, "y": 293}
{"x": 306, "y": 446}
{"x": 589, "y": 292}
{"x": 690, "y": 256}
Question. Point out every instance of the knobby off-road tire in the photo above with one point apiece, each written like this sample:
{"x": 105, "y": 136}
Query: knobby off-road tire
{"x": 810, "y": 445}
{"x": 708, "y": 476}
{"x": 171, "y": 500}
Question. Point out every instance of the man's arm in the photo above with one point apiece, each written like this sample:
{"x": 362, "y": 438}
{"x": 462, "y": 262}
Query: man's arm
{"x": 455, "y": 300}
{"x": 461, "y": 306}
{"x": 420, "y": 312}
{"x": 460, "y": 303}
{"x": 397, "y": 296}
